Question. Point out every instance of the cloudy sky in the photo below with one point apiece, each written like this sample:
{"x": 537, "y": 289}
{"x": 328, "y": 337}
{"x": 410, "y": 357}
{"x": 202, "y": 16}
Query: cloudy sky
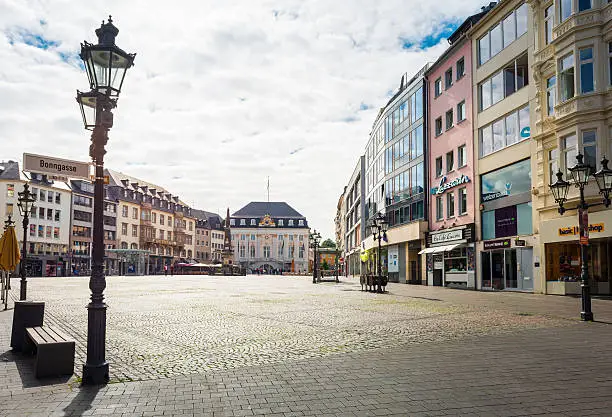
{"x": 223, "y": 93}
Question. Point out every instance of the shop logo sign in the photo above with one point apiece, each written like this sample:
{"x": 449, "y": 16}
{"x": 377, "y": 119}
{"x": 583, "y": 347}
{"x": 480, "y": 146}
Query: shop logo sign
{"x": 463, "y": 179}
{"x": 575, "y": 230}
{"x": 498, "y": 194}
{"x": 447, "y": 236}
{"x": 497, "y": 244}
{"x": 525, "y": 132}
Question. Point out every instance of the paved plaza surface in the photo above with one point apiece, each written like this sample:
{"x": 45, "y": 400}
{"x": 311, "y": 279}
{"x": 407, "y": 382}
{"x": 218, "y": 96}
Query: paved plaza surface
{"x": 263, "y": 345}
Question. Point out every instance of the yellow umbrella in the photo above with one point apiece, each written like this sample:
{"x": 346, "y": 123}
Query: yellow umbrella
{"x": 9, "y": 250}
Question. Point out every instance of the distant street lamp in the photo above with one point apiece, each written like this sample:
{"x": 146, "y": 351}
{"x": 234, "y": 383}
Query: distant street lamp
{"x": 25, "y": 202}
{"x": 580, "y": 175}
{"x": 106, "y": 66}
{"x": 379, "y": 227}
{"x": 313, "y": 239}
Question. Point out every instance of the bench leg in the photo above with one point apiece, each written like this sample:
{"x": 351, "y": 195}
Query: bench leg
{"x": 55, "y": 360}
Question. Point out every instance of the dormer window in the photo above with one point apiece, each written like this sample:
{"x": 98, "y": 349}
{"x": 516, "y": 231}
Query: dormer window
{"x": 290, "y": 222}
{"x": 232, "y": 222}
{"x": 253, "y": 222}
{"x": 280, "y": 222}
{"x": 242, "y": 222}
{"x": 301, "y": 223}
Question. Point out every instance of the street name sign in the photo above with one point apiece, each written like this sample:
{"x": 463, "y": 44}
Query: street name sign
{"x": 57, "y": 167}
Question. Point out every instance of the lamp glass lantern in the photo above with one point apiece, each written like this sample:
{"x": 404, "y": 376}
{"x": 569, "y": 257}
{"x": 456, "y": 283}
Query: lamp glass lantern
{"x": 559, "y": 189}
{"x": 89, "y": 108}
{"x": 580, "y": 172}
{"x": 25, "y": 201}
{"x": 604, "y": 181}
{"x": 105, "y": 63}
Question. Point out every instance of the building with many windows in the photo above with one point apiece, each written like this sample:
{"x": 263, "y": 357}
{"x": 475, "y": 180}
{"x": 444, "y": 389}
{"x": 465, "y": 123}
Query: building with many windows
{"x": 354, "y": 218}
{"x": 450, "y": 251}
{"x": 572, "y": 114}
{"x": 502, "y": 47}
{"x": 395, "y": 180}
{"x": 270, "y": 236}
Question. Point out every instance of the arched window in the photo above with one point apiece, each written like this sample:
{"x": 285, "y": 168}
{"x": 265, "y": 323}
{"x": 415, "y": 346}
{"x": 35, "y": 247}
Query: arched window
{"x": 124, "y": 245}
{"x": 134, "y": 246}
{"x": 189, "y": 253}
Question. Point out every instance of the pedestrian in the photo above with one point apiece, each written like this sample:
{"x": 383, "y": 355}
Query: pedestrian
{"x": 165, "y": 270}
{"x": 171, "y": 270}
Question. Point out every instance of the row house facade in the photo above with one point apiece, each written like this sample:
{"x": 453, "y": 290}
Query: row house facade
{"x": 207, "y": 240}
{"x": 151, "y": 220}
{"x": 353, "y": 218}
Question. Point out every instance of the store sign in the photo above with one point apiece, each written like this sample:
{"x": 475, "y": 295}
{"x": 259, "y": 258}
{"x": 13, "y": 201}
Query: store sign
{"x": 463, "y": 179}
{"x": 519, "y": 242}
{"x": 55, "y": 166}
{"x": 575, "y": 230}
{"x": 497, "y": 244}
{"x": 446, "y": 236}
{"x": 510, "y": 180}
{"x": 505, "y": 221}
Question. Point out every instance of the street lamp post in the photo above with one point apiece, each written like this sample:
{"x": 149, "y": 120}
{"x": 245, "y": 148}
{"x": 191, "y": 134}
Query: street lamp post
{"x": 379, "y": 227}
{"x": 25, "y": 202}
{"x": 106, "y": 66}
{"x": 580, "y": 175}
{"x": 314, "y": 239}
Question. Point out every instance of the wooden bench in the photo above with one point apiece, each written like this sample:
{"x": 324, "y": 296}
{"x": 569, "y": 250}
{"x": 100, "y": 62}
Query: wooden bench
{"x": 54, "y": 351}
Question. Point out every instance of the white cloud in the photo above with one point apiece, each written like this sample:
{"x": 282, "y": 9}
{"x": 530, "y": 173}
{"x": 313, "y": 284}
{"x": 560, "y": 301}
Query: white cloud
{"x": 221, "y": 93}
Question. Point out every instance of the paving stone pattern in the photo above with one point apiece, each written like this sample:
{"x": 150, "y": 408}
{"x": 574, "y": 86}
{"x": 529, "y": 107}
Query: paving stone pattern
{"x": 272, "y": 346}
{"x": 163, "y": 327}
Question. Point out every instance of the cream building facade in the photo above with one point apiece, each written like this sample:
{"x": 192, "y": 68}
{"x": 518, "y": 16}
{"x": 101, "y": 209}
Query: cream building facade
{"x": 573, "y": 114}
{"x": 504, "y": 94}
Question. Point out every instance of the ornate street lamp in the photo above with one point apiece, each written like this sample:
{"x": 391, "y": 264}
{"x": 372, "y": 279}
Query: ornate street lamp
{"x": 106, "y": 66}
{"x": 313, "y": 239}
{"x": 580, "y": 175}
{"x": 25, "y": 202}
{"x": 379, "y": 227}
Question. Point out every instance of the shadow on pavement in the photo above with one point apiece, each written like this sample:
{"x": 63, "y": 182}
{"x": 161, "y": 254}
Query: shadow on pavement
{"x": 82, "y": 402}
{"x": 25, "y": 367}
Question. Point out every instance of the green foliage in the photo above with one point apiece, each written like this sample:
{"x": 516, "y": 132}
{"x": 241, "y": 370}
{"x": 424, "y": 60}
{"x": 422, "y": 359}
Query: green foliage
{"x": 328, "y": 243}
{"x": 325, "y": 265}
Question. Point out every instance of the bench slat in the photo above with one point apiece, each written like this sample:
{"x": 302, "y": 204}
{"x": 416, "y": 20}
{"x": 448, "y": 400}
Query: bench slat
{"x": 47, "y": 335}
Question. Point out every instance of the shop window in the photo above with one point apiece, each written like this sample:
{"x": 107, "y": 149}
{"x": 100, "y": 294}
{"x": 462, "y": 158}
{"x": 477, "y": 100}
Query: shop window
{"x": 450, "y": 161}
{"x": 439, "y": 208}
{"x": 488, "y": 225}
{"x": 566, "y": 77}
{"x": 438, "y": 125}
{"x": 584, "y": 5}
{"x": 463, "y": 200}
{"x": 524, "y": 219}
{"x": 449, "y": 119}
{"x": 461, "y": 111}
{"x": 460, "y": 68}
{"x": 450, "y": 205}
{"x": 438, "y": 87}
{"x": 569, "y": 149}
{"x": 549, "y": 23}
{"x": 551, "y": 94}
{"x": 587, "y": 84}
{"x": 566, "y": 9}
{"x": 553, "y": 165}
{"x": 589, "y": 148}
{"x": 461, "y": 156}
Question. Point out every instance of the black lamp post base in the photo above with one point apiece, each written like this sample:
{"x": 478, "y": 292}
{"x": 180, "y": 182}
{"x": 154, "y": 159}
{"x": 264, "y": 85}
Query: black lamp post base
{"x": 586, "y": 316}
{"x": 95, "y": 374}
{"x": 23, "y": 289}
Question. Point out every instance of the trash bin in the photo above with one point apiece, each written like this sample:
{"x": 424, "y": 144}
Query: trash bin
{"x": 26, "y": 314}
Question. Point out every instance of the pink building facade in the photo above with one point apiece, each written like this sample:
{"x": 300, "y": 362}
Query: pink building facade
{"x": 449, "y": 255}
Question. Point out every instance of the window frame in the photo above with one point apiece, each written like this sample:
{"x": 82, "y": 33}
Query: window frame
{"x": 450, "y": 154}
{"x": 439, "y": 208}
{"x": 438, "y": 87}
{"x": 448, "y": 78}
{"x": 460, "y": 74}
{"x": 459, "y": 153}
{"x": 585, "y": 62}
{"x": 461, "y": 114}
{"x": 438, "y": 122}
{"x": 450, "y": 205}
{"x": 441, "y": 170}
{"x": 549, "y": 23}
{"x": 463, "y": 210}
{"x": 449, "y": 112}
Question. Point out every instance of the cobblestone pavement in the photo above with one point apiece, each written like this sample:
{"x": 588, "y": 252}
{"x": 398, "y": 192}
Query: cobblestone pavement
{"x": 281, "y": 345}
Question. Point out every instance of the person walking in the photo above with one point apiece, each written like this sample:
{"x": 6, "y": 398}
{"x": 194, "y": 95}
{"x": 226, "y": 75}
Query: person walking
{"x": 171, "y": 270}
{"x": 166, "y": 270}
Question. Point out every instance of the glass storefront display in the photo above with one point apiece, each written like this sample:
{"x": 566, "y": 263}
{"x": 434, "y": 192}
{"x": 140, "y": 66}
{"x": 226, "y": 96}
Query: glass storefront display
{"x": 507, "y": 269}
{"x": 563, "y": 264}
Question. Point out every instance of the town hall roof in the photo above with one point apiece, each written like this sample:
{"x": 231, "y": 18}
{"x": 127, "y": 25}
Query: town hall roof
{"x": 276, "y": 209}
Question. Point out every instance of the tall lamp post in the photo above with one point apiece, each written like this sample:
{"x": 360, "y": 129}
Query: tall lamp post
{"x": 106, "y": 66}
{"x": 25, "y": 202}
{"x": 314, "y": 238}
{"x": 580, "y": 173}
{"x": 379, "y": 227}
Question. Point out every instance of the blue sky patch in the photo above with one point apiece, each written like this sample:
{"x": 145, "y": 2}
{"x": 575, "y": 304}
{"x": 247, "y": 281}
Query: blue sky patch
{"x": 363, "y": 106}
{"x": 444, "y": 30}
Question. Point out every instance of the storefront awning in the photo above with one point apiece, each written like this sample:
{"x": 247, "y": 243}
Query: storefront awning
{"x": 438, "y": 249}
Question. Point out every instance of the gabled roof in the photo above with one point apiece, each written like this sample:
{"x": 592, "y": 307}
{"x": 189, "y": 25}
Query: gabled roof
{"x": 9, "y": 170}
{"x": 213, "y": 220}
{"x": 273, "y": 208}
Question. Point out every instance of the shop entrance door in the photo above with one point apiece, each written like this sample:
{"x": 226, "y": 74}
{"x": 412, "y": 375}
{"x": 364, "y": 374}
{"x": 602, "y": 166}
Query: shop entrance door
{"x": 497, "y": 269}
{"x": 511, "y": 273}
{"x": 525, "y": 268}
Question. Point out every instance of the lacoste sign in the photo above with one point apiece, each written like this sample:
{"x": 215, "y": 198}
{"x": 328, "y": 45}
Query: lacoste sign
{"x": 463, "y": 179}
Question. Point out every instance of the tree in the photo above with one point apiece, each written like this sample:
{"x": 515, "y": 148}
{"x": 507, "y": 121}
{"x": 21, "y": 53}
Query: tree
{"x": 328, "y": 243}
